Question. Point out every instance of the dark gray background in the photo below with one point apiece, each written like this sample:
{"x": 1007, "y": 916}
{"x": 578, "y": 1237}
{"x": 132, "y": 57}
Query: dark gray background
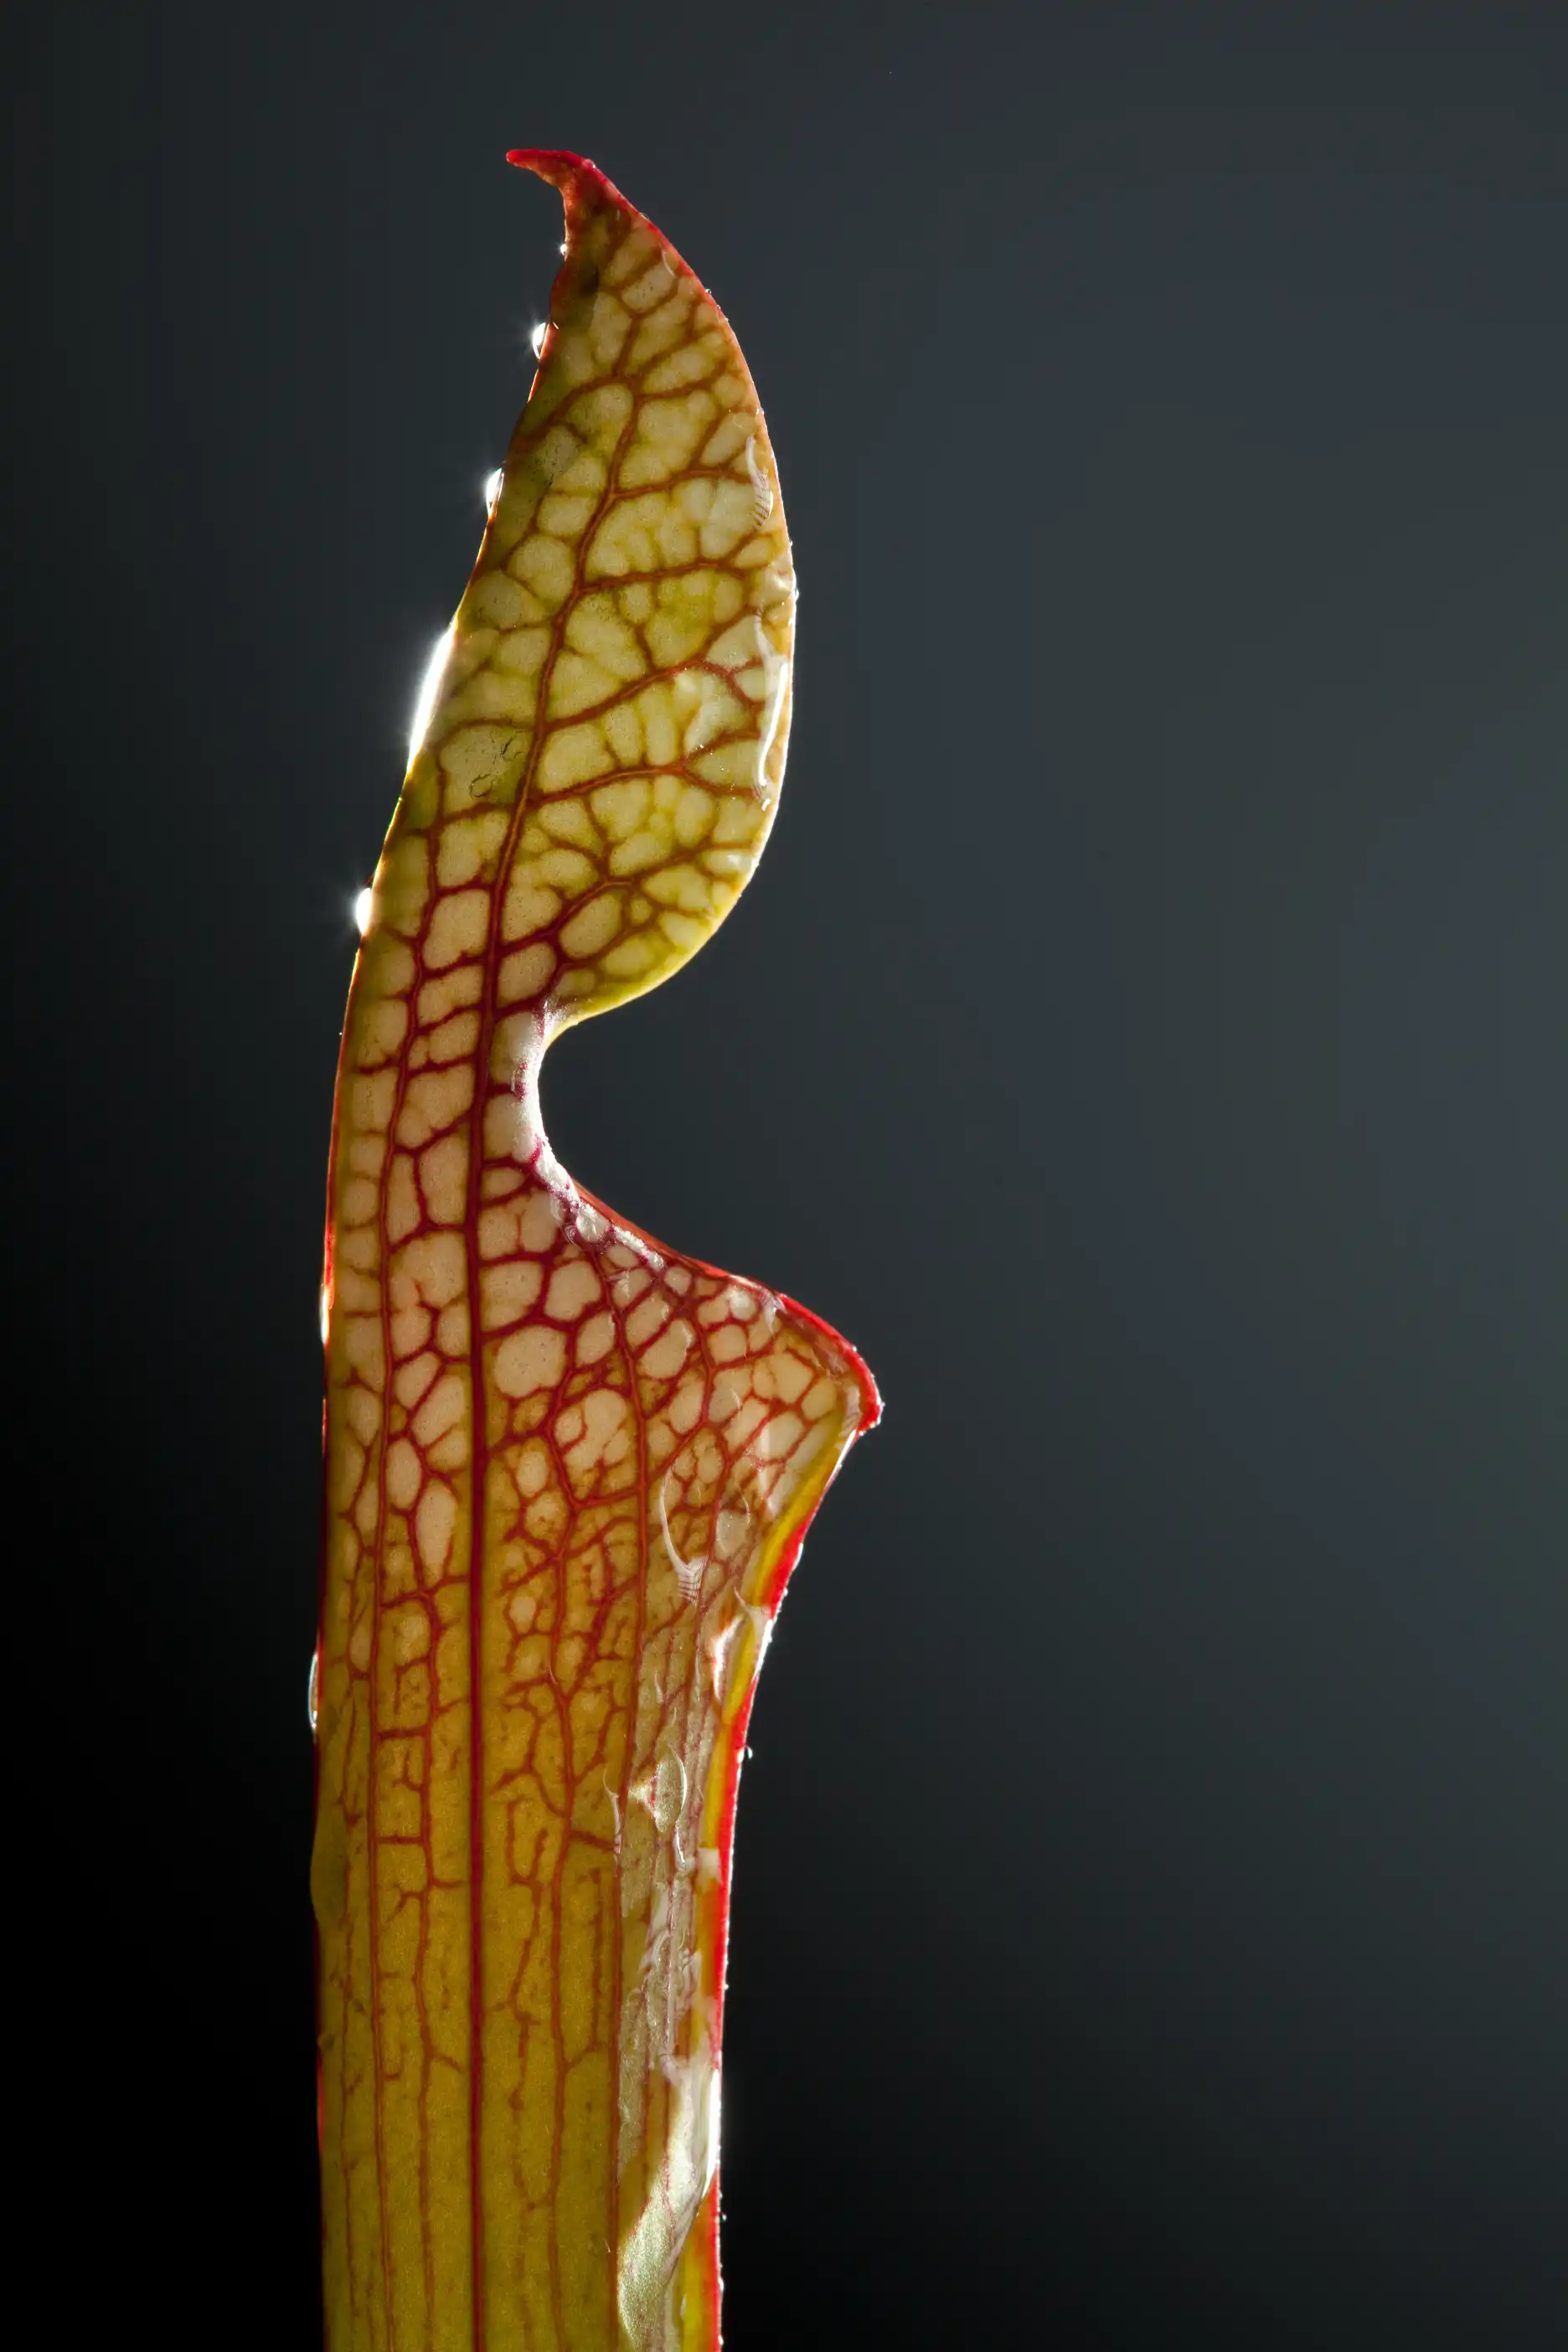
{"x": 1144, "y": 1039}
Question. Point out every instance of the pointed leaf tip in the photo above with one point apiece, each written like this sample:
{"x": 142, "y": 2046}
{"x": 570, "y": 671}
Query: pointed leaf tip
{"x": 561, "y": 168}
{"x": 582, "y": 186}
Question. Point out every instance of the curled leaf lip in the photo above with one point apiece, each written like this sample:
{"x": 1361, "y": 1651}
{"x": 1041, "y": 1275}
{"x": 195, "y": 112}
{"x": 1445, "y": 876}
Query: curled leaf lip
{"x": 871, "y": 1395}
{"x": 873, "y": 1404}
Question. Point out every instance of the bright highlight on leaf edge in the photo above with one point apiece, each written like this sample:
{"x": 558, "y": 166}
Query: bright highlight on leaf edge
{"x": 429, "y": 686}
{"x": 363, "y": 899}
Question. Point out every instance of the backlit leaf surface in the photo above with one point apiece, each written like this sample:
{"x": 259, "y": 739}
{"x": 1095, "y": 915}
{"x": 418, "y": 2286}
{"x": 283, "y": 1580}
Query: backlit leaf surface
{"x": 567, "y": 1469}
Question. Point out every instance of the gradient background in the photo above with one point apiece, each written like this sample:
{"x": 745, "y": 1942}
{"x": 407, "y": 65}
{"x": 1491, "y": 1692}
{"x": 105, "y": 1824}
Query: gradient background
{"x": 1144, "y": 1039}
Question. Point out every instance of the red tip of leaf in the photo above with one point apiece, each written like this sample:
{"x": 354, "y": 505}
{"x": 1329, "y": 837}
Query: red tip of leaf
{"x": 575, "y": 177}
{"x": 584, "y": 190}
{"x": 556, "y": 165}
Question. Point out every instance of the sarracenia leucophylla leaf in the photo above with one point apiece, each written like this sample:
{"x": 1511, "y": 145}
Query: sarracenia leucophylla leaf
{"x": 568, "y": 1470}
